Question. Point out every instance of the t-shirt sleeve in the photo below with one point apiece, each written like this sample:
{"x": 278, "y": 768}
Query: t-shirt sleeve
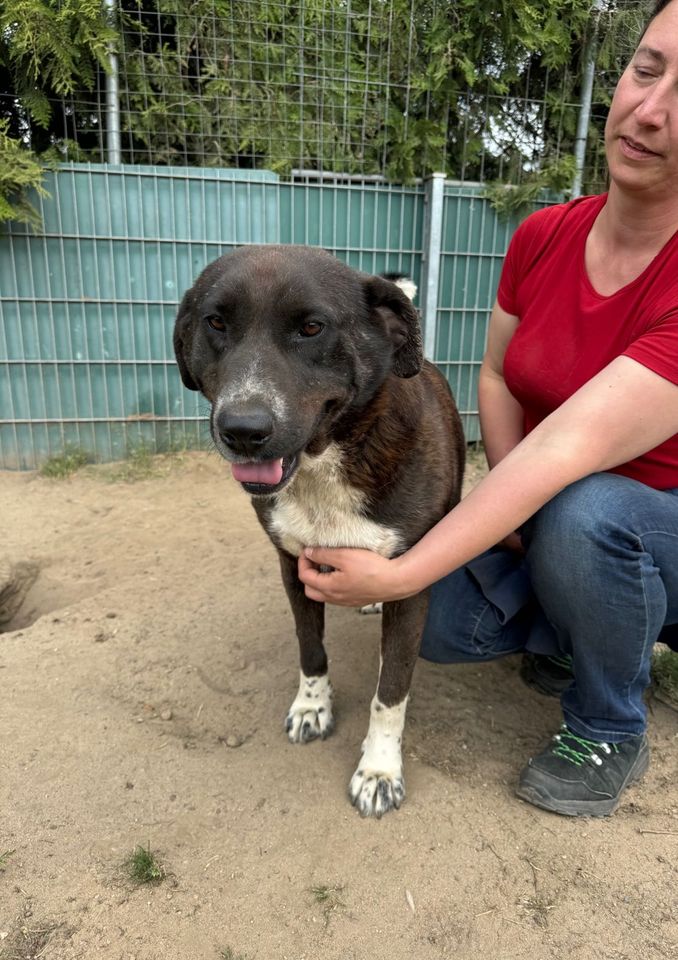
{"x": 507, "y": 292}
{"x": 525, "y": 244}
{"x": 657, "y": 348}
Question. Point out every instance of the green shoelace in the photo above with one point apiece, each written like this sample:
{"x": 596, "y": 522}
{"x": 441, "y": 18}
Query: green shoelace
{"x": 579, "y": 750}
{"x": 565, "y": 662}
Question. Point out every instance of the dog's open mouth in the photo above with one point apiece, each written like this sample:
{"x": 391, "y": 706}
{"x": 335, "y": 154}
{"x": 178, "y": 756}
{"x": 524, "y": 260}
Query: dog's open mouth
{"x": 265, "y": 477}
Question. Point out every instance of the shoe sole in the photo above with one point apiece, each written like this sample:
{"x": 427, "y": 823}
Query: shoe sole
{"x": 545, "y": 689}
{"x": 539, "y": 797}
{"x": 545, "y": 686}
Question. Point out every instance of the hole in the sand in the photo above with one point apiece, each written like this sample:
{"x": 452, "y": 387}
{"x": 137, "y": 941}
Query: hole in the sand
{"x": 16, "y": 580}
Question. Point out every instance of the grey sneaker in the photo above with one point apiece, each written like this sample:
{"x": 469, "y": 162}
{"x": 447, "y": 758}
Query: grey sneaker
{"x": 549, "y": 676}
{"x": 582, "y": 778}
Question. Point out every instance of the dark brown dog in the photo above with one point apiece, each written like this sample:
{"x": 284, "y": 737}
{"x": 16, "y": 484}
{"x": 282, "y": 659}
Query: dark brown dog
{"x": 343, "y": 435}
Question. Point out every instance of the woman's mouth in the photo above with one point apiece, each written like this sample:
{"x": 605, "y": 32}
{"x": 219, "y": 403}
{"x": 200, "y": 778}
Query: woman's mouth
{"x": 635, "y": 150}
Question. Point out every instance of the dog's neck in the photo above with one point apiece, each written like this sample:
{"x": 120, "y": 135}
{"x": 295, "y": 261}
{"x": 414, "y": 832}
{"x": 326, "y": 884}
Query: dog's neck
{"x": 321, "y": 508}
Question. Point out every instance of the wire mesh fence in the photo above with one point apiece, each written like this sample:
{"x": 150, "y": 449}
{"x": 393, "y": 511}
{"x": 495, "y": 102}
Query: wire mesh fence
{"x": 394, "y": 88}
{"x": 88, "y": 305}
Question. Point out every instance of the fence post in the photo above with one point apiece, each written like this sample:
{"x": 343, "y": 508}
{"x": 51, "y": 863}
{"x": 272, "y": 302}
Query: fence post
{"x": 431, "y": 243}
{"x": 584, "y": 117}
{"x": 113, "y": 153}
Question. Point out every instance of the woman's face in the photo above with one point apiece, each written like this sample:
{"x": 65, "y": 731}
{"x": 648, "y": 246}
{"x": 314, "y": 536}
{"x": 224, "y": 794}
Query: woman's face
{"x": 641, "y": 133}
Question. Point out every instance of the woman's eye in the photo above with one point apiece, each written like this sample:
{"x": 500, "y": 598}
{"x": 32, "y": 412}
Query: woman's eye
{"x": 216, "y": 323}
{"x": 311, "y": 328}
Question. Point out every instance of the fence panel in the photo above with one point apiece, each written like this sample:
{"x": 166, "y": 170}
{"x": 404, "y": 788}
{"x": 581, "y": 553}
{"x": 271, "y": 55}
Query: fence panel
{"x": 88, "y": 305}
{"x": 474, "y": 242}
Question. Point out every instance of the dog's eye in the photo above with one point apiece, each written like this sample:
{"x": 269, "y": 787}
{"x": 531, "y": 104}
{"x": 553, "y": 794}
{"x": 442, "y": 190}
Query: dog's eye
{"x": 216, "y": 323}
{"x": 311, "y": 328}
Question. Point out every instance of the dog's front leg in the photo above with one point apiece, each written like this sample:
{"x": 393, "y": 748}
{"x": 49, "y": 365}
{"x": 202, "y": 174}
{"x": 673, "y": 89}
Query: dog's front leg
{"x": 310, "y": 715}
{"x": 377, "y": 786}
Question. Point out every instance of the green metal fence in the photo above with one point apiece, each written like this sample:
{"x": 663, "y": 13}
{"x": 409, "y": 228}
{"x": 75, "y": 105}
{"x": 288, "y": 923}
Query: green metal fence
{"x": 87, "y": 306}
{"x": 473, "y": 245}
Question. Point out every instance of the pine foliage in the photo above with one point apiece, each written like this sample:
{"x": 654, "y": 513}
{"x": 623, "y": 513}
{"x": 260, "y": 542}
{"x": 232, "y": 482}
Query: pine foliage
{"x": 481, "y": 89}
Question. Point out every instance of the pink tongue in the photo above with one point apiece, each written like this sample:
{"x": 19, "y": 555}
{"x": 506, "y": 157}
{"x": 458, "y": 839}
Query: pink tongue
{"x": 270, "y": 472}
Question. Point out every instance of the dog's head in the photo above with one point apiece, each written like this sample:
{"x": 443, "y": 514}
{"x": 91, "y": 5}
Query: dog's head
{"x": 284, "y": 341}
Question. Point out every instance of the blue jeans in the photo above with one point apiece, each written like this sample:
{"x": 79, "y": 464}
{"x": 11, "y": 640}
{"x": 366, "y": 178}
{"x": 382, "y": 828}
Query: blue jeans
{"x": 598, "y": 582}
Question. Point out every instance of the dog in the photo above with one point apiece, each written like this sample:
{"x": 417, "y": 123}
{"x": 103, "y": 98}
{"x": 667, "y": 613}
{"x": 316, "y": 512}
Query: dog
{"x": 342, "y": 435}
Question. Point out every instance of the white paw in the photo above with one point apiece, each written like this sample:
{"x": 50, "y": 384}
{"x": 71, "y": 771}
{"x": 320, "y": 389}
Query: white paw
{"x": 372, "y": 608}
{"x": 310, "y": 716}
{"x": 375, "y": 792}
{"x": 377, "y": 786}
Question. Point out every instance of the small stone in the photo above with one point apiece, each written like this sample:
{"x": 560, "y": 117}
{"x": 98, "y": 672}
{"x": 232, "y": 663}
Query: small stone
{"x": 233, "y": 741}
{"x": 166, "y": 715}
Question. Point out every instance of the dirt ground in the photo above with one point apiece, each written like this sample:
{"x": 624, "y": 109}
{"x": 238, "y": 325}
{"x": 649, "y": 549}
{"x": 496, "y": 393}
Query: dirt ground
{"x": 144, "y": 681}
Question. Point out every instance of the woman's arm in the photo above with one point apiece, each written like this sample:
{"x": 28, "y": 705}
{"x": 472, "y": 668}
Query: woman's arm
{"x": 620, "y": 414}
{"x": 501, "y": 416}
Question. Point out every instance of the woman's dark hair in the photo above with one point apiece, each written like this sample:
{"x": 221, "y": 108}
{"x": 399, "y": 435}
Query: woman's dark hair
{"x": 657, "y": 9}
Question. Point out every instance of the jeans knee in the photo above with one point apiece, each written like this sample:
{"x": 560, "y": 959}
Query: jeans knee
{"x": 585, "y": 511}
{"x": 571, "y": 534}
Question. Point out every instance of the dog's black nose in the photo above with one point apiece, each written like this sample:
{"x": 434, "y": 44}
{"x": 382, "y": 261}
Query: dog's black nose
{"x": 245, "y": 432}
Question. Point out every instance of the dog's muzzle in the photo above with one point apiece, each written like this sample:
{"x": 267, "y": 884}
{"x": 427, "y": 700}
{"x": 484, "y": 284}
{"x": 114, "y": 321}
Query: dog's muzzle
{"x": 243, "y": 436}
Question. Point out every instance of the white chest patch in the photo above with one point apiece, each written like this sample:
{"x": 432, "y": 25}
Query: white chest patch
{"x": 320, "y": 509}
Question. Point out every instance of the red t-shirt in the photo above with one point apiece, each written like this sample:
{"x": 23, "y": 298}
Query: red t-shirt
{"x": 568, "y": 332}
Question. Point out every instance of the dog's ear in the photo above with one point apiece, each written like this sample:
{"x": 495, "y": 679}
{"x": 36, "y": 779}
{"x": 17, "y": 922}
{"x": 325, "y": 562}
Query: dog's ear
{"x": 401, "y": 320}
{"x": 182, "y": 327}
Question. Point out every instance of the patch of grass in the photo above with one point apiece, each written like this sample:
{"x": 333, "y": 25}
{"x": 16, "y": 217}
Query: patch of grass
{"x": 139, "y": 465}
{"x": 64, "y": 464}
{"x": 324, "y": 894}
{"x": 228, "y": 954}
{"x": 4, "y": 859}
{"x": 328, "y": 899}
{"x": 665, "y": 676}
{"x": 143, "y": 463}
{"x": 143, "y": 867}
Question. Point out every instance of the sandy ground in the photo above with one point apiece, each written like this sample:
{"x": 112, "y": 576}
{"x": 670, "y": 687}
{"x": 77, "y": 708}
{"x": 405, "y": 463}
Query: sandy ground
{"x": 144, "y": 680}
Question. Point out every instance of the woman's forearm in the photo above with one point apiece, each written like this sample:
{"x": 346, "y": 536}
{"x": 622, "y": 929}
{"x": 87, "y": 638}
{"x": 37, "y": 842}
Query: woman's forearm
{"x": 513, "y": 491}
{"x": 621, "y": 413}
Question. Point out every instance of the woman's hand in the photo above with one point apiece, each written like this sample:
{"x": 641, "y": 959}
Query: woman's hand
{"x": 358, "y": 577}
